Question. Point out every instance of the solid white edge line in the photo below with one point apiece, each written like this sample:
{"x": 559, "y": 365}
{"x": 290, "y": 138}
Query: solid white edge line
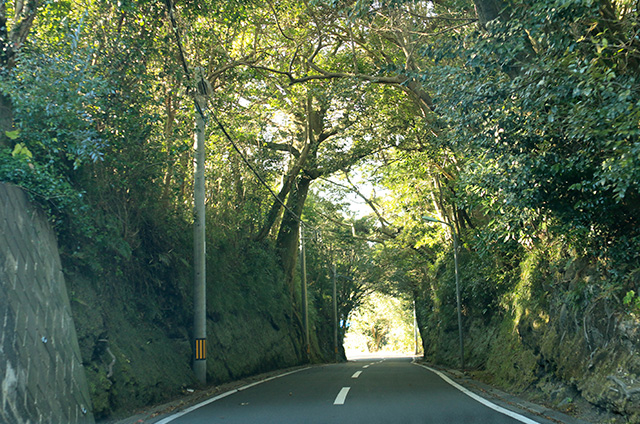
{"x": 342, "y": 396}
{"x": 356, "y": 374}
{"x": 194, "y": 407}
{"x": 480, "y": 399}
{"x": 224, "y": 395}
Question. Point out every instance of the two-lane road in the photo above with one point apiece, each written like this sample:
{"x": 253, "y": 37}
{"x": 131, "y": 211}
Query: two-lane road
{"x": 364, "y": 391}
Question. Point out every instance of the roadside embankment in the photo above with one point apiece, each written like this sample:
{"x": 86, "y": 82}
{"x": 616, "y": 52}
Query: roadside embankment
{"x": 552, "y": 331}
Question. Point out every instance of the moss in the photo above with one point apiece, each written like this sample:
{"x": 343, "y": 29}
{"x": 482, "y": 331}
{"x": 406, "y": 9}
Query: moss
{"x": 99, "y": 390}
{"x": 512, "y": 365}
{"x": 145, "y": 325}
{"x": 552, "y": 333}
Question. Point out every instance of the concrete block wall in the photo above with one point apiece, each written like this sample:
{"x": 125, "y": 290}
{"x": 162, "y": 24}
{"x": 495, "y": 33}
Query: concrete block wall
{"x": 42, "y": 379}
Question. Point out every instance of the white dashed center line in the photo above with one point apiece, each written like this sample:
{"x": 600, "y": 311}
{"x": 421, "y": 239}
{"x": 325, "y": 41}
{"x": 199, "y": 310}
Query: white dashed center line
{"x": 356, "y": 374}
{"x": 342, "y": 396}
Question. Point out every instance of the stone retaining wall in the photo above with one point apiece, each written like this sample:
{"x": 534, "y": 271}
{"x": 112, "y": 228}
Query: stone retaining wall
{"x": 41, "y": 373}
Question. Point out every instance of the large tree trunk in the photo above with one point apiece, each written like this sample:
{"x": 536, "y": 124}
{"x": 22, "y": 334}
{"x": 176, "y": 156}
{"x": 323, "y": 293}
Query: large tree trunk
{"x": 6, "y": 119}
{"x": 10, "y": 43}
{"x": 6, "y": 110}
{"x": 287, "y": 185}
{"x": 287, "y": 242}
{"x": 488, "y": 10}
{"x": 276, "y": 207}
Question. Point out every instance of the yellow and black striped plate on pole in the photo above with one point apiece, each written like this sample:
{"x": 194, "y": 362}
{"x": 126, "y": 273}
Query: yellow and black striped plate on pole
{"x": 201, "y": 349}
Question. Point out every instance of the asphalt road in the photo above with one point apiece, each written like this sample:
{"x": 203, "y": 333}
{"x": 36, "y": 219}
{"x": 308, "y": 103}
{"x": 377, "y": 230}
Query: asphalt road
{"x": 364, "y": 391}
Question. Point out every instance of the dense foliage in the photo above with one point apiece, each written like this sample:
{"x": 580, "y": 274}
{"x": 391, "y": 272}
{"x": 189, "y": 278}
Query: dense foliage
{"x": 516, "y": 123}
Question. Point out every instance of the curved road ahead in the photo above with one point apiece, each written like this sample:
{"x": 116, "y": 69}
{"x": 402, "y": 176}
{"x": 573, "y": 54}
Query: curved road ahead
{"x": 367, "y": 391}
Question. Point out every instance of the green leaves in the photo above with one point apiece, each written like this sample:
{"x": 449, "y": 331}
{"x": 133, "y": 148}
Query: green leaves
{"x": 21, "y": 150}
{"x": 632, "y": 301}
{"x": 12, "y": 135}
{"x": 49, "y": 188}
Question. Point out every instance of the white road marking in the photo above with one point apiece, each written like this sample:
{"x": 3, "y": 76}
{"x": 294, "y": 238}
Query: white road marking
{"x": 480, "y": 399}
{"x": 342, "y": 396}
{"x": 224, "y": 395}
{"x": 366, "y": 366}
{"x": 356, "y": 374}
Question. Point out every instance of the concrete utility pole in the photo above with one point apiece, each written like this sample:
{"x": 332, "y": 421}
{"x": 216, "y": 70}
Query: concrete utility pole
{"x": 305, "y": 302}
{"x": 415, "y": 328}
{"x": 454, "y": 235}
{"x": 335, "y": 313}
{"x": 203, "y": 90}
{"x": 455, "y": 261}
{"x": 199, "y": 250}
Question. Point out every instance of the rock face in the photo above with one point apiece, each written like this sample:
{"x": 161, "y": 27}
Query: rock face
{"x": 41, "y": 371}
{"x": 557, "y": 331}
{"x": 134, "y": 321}
{"x": 139, "y": 354}
{"x": 589, "y": 345}
{"x": 605, "y": 371}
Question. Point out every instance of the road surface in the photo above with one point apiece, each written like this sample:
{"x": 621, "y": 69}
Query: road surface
{"x": 367, "y": 391}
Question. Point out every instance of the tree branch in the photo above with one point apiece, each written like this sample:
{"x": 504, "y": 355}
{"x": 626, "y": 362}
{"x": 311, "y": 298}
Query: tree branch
{"x": 282, "y": 148}
{"x": 275, "y": 16}
{"x": 470, "y": 21}
{"x": 368, "y": 201}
